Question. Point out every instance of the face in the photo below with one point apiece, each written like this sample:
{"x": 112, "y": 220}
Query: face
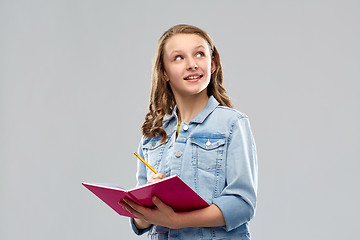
{"x": 188, "y": 64}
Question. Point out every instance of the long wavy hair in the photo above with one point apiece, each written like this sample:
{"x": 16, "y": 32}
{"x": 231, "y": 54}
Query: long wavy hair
{"x": 162, "y": 101}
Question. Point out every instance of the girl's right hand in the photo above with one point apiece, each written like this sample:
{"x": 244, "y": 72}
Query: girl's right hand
{"x": 156, "y": 177}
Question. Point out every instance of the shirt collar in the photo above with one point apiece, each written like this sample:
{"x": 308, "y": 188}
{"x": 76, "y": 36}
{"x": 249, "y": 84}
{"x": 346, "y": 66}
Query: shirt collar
{"x": 211, "y": 104}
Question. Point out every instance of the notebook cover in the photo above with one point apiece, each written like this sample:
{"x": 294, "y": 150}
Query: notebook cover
{"x": 110, "y": 195}
{"x": 172, "y": 191}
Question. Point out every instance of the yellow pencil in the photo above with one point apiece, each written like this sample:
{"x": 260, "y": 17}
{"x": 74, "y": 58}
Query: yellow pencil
{"x": 148, "y": 165}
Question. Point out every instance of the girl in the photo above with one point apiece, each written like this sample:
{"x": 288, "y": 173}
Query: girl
{"x": 191, "y": 130}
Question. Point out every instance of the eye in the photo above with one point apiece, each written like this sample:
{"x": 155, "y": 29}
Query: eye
{"x": 200, "y": 54}
{"x": 177, "y": 58}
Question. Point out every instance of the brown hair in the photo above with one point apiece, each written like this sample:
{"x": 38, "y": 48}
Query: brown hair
{"x": 162, "y": 99}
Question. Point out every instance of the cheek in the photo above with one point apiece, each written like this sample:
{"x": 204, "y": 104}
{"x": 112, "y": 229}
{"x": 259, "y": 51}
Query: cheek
{"x": 175, "y": 73}
{"x": 206, "y": 65}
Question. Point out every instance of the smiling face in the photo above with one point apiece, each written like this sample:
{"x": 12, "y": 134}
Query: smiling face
{"x": 188, "y": 64}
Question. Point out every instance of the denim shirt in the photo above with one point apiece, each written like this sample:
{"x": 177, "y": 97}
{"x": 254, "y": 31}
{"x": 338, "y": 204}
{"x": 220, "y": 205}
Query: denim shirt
{"x": 215, "y": 155}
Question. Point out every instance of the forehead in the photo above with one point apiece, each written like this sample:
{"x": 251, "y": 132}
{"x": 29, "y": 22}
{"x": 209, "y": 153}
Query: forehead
{"x": 183, "y": 42}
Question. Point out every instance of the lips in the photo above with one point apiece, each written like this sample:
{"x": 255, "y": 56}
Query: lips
{"x": 193, "y": 77}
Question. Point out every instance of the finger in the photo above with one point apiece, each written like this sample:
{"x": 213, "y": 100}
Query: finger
{"x": 127, "y": 205}
{"x": 160, "y": 204}
{"x": 124, "y": 205}
{"x": 156, "y": 177}
{"x": 130, "y": 203}
{"x": 135, "y": 206}
{"x": 160, "y": 175}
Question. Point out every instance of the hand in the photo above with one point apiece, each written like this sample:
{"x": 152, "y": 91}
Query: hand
{"x": 162, "y": 214}
{"x": 156, "y": 177}
{"x": 140, "y": 222}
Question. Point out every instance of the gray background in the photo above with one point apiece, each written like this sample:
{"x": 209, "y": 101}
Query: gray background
{"x": 74, "y": 88}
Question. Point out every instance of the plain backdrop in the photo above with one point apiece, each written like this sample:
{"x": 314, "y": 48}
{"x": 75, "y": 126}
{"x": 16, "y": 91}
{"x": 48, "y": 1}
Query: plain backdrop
{"x": 74, "y": 89}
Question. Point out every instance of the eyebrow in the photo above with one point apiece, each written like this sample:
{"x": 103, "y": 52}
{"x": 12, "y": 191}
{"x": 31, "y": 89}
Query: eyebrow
{"x": 179, "y": 51}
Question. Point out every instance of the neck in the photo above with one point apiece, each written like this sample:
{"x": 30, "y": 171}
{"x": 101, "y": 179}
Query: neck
{"x": 190, "y": 106}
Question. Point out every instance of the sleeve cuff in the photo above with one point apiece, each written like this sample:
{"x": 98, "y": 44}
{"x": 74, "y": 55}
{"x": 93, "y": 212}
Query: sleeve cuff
{"x": 136, "y": 230}
{"x": 235, "y": 214}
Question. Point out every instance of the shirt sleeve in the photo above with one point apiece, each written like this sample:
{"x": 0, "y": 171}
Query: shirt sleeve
{"x": 136, "y": 230}
{"x": 237, "y": 201}
{"x": 141, "y": 179}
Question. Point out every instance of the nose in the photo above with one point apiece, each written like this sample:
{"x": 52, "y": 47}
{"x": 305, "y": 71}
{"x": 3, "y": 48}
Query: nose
{"x": 192, "y": 65}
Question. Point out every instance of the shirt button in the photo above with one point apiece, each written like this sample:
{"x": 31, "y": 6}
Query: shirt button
{"x": 208, "y": 143}
{"x": 185, "y": 127}
{"x": 178, "y": 154}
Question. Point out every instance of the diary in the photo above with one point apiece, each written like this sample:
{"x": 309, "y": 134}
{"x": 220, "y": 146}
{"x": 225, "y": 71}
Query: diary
{"x": 172, "y": 191}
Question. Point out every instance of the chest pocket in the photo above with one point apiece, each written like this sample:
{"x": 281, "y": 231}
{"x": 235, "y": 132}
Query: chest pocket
{"x": 153, "y": 152}
{"x": 208, "y": 153}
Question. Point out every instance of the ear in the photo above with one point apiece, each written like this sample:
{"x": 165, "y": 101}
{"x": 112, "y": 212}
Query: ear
{"x": 166, "y": 78}
{"x": 213, "y": 65}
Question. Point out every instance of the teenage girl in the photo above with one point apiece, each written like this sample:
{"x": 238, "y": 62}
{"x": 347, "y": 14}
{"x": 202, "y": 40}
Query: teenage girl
{"x": 191, "y": 130}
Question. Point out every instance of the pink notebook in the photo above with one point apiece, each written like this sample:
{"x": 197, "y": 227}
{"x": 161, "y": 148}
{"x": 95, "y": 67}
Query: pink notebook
{"x": 172, "y": 191}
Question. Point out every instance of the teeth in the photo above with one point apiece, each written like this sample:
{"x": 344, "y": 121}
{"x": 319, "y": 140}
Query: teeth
{"x": 193, "y": 77}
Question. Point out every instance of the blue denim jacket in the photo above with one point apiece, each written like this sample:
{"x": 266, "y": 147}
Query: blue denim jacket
{"x": 215, "y": 155}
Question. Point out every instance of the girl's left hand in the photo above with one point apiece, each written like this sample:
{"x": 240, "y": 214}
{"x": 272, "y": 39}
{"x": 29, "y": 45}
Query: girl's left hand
{"x": 162, "y": 214}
